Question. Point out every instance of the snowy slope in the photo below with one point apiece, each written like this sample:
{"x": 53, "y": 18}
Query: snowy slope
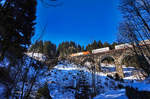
{"x": 141, "y": 85}
{"x": 120, "y": 94}
{"x": 62, "y": 80}
{"x": 28, "y": 66}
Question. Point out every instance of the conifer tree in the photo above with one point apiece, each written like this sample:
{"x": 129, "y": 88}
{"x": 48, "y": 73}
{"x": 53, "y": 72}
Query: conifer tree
{"x": 82, "y": 48}
{"x": 16, "y": 26}
{"x": 100, "y": 44}
{"x": 37, "y": 47}
{"x": 49, "y": 49}
{"x": 113, "y": 45}
{"x": 94, "y": 45}
{"x": 106, "y": 44}
{"x": 67, "y": 48}
{"x": 78, "y": 48}
{"x": 17, "y": 20}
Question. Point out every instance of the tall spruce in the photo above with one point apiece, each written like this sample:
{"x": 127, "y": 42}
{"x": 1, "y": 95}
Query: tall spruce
{"x": 16, "y": 26}
{"x": 100, "y": 44}
{"x": 113, "y": 45}
{"x": 82, "y": 48}
{"x": 16, "y": 30}
{"x": 49, "y": 49}
{"x": 106, "y": 44}
{"x": 67, "y": 48}
{"x": 94, "y": 45}
{"x": 37, "y": 47}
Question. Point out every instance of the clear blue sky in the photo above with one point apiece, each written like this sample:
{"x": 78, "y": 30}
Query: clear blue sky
{"x": 81, "y": 21}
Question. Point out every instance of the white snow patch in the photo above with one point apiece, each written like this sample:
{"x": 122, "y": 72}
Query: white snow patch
{"x": 37, "y": 56}
{"x": 113, "y": 94}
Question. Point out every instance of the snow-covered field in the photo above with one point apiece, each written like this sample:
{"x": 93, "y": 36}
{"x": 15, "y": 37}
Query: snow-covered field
{"x": 63, "y": 79}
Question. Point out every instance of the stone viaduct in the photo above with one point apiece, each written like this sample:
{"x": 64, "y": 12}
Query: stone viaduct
{"x": 96, "y": 59}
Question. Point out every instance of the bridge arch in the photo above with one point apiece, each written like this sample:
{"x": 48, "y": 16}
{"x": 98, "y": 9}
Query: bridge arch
{"x": 106, "y": 57}
{"x": 103, "y": 58}
{"x": 123, "y": 56}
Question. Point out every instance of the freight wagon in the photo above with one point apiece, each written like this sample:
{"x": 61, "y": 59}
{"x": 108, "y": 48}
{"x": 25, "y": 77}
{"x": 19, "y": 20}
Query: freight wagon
{"x": 100, "y": 50}
{"x": 123, "y": 46}
{"x": 145, "y": 42}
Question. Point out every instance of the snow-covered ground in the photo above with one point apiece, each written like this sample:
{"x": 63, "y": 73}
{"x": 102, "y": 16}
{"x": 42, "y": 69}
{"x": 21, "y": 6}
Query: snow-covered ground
{"x": 27, "y": 66}
{"x": 37, "y": 56}
{"x": 64, "y": 77}
{"x": 141, "y": 85}
{"x": 113, "y": 94}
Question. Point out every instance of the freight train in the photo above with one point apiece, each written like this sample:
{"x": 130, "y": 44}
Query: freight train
{"x": 102, "y": 50}
{"x": 95, "y": 51}
{"x": 106, "y": 49}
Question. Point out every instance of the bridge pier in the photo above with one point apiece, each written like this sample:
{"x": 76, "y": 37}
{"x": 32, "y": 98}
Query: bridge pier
{"x": 97, "y": 67}
{"x": 119, "y": 69}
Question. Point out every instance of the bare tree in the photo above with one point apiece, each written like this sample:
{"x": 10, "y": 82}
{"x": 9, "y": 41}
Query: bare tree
{"x": 135, "y": 28}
